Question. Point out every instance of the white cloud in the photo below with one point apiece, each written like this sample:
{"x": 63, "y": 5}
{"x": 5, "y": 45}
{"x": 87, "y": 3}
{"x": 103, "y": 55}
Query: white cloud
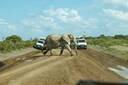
{"x": 11, "y": 27}
{"x": 117, "y": 14}
{"x": 60, "y": 19}
{"x": 4, "y": 24}
{"x": 115, "y": 21}
{"x": 64, "y": 14}
{"x": 117, "y": 2}
{"x": 7, "y": 28}
{"x": 39, "y": 22}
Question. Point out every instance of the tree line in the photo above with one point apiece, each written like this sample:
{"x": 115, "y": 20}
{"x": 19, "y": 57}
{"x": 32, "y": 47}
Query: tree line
{"x": 107, "y": 41}
{"x": 15, "y": 42}
{"x": 114, "y": 37}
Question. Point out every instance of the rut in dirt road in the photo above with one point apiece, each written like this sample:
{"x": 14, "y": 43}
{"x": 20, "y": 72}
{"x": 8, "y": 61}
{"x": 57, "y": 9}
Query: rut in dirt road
{"x": 63, "y": 70}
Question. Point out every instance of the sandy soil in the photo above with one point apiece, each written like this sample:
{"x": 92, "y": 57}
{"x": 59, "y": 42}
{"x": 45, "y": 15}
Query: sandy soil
{"x": 4, "y": 56}
{"x": 62, "y": 70}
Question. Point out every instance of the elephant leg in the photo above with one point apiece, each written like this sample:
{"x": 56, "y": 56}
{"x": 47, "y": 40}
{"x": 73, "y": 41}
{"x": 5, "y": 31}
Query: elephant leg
{"x": 51, "y": 52}
{"x": 42, "y": 50}
{"x": 45, "y": 51}
{"x": 62, "y": 49}
{"x": 69, "y": 49}
{"x": 76, "y": 51}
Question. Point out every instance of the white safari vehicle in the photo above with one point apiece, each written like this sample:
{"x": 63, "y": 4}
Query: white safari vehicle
{"x": 39, "y": 44}
{"x": 81, "y": 43}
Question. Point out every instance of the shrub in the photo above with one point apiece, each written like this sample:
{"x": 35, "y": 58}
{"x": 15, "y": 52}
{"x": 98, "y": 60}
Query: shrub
{"x": 14, "y": 38}
{"x": 14, "y": 42}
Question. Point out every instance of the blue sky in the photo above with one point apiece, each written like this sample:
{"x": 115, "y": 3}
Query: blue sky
{"x": 36, "y": 18}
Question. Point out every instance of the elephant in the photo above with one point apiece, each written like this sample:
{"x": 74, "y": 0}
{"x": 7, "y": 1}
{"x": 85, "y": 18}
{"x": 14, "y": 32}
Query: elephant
{"x": 53, "y": 41}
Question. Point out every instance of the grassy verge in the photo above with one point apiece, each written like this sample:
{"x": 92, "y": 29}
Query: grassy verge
{"x": 115, "y": 46}
{"x": 112, "y": 51}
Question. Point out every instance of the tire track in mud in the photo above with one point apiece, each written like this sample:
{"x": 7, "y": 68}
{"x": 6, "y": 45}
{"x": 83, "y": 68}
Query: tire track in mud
{"x": 90, "y": 64}
{"x": 28, "y": 70}
{"x": 8, "y": 63}
{"x": 38, "y": 71}
{"x": 106, "y": 60}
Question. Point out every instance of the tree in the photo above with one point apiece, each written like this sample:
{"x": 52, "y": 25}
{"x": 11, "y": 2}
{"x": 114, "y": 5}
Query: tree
{"x": 13, "y": 38}
{"x": 102, "y": 36}
{"x": 121, "y": 36}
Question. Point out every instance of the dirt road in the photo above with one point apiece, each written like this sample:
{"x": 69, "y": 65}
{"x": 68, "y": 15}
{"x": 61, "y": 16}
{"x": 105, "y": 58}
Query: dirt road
{"x": 62, "y": 70}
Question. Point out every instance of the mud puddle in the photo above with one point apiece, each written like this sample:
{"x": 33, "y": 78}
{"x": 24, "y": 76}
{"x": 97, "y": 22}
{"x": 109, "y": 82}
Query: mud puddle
{"x": 120, "y": 70}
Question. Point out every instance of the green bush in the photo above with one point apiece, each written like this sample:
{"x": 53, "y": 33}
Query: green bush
{"x": 14, "y": 42}
{"x": 13, "y": 38}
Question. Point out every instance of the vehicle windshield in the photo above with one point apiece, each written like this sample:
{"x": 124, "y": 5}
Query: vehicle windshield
{"x": 40, "y": 41}
{"x": 81, "y": 40}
